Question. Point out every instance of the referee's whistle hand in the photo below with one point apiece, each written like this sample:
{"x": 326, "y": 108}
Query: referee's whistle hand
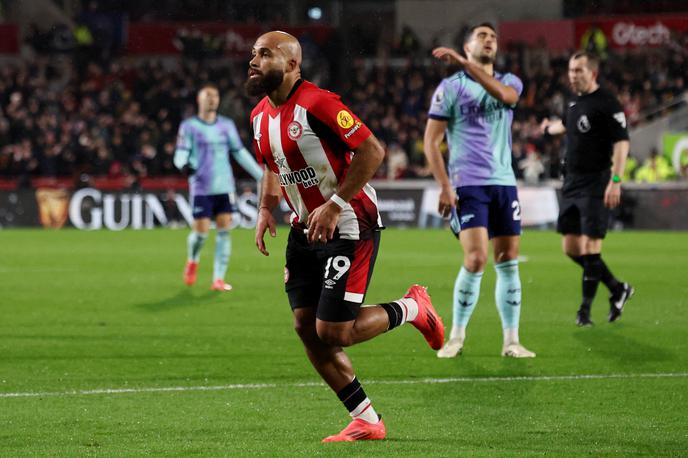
{"x": 612, "y": 195}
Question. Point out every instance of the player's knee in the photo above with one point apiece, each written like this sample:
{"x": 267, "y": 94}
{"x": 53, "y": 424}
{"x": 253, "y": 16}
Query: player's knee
{"x": 335, "y": 337}
{"x": 475, "y": 261}
{"x": 305, "y": 330}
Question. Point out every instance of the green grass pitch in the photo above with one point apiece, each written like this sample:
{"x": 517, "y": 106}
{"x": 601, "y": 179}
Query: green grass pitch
{"x": 104, "y": 352}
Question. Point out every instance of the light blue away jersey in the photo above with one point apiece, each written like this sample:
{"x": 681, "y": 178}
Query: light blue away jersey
{"x": 206, "y": 149}
{"x": 478, "y": 130}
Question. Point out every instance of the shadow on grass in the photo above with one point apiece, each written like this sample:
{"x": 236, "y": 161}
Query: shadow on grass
{"x": 183, "y": 298}
{"x": 610, "y": 343}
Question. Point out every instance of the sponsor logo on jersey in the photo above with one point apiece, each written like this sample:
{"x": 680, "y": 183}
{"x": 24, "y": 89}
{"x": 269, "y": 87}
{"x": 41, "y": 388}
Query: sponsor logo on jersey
{"x": 488, "y": 110}
{"x": 294, "y": 130}
{"x": 353, "y": 130}
{"x": 329, "y": 283}
{"x": 281, "y": 162}
{"x": 345, "y": 119}
{"x": 305, "y": 177}
{"x": 583, "y": 124}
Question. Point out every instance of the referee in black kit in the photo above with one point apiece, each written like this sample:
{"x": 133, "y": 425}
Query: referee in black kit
{"x": 596, "y": 151}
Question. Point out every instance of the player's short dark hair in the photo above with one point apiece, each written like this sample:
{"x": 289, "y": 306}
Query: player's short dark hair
{"x": 469, "y": 32}
{"x": 208, "y": 85}
{"x": 593, "y": 61}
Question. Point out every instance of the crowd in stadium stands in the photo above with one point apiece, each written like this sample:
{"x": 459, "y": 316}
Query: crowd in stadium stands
{"x": 120, "y": 118}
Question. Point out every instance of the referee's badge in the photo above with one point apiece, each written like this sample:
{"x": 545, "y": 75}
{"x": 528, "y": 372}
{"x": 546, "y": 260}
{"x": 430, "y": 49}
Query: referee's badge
{"x": 294, "y": 130}
{"x": 583, "y": 124}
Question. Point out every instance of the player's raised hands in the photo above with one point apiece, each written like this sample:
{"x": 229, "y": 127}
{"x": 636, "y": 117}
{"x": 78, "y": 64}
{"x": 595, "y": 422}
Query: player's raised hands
{"x": 449, "y": 55}
{"x": 265, "y": 222}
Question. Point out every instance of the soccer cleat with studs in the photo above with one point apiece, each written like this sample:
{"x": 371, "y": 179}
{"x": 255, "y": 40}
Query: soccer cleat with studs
{"x": 428, "y": 322}
{"x": 583, "y": 319}
{"x": 452, "y": 348}
{"x": 517, "y": 350}
{"x": 190, "y": 272}
{"x": 359, "y": 430}
{"x": 220, "y": 285}
{"x": 618, "y": 300}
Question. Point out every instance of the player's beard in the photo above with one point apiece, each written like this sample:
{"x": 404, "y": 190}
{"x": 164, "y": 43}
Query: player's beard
{"x": 265, "y": 84}
{"x": 485, "y": 59}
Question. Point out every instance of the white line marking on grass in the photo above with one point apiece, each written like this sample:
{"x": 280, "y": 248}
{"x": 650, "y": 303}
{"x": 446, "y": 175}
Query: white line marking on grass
{"x": 264, "y": 386}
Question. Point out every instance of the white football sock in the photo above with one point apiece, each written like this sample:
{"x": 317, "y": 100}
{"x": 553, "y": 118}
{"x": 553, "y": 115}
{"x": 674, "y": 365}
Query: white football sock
{"x": 510, "y": 336}
{"x": 365, "y": 412}
{"x": 409, "y": 307}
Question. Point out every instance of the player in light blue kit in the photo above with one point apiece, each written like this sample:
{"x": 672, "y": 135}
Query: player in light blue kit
{"x": 474, "y": 107}
{"x": 204, "y": 145}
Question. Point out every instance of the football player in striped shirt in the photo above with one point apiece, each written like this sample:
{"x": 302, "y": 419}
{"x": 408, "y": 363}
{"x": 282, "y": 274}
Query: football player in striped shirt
{"x": 319, "y": 156}
{"x": 204, "y": 145}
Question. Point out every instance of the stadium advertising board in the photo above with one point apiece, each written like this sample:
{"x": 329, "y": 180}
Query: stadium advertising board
{"x": 558, "y": 35}
{"x": 9, "y": 39}
{"x": 656, "y": 207}
{"x": 90, "y": 208}
{"x": 631, "y": 31}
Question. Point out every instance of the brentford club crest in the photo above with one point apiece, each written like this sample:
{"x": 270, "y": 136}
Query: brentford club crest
{"x": 294, "y": 130}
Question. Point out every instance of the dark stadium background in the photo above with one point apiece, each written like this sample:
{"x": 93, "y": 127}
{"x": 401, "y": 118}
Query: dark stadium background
{"x": 92, "y": 93}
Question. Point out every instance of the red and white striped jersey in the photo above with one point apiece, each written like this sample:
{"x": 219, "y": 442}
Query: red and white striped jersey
{"x": 308, "y": 141}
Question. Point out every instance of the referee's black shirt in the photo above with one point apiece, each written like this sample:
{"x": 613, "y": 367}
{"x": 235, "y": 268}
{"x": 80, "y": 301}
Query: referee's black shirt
{"x": 594, "y": 122}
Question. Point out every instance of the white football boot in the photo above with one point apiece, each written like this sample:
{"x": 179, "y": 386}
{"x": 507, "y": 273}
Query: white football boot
{"x": 451, "y": 348}
{"x": 516, "y": 350}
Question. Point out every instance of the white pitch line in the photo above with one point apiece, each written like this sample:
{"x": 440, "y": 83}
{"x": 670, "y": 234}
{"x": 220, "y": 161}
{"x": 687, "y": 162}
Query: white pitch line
{"x": 263, "y": 386}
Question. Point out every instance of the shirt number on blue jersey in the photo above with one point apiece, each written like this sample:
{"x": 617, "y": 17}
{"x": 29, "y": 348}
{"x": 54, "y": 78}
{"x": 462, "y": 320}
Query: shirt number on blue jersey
{"x": 517, "y": 210}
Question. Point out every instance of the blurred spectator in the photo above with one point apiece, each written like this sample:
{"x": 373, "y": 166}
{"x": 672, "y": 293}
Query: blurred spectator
{"x": 655, "y": 168}
{"x": 119, "y": 117}
{"x": 532, "y": 166}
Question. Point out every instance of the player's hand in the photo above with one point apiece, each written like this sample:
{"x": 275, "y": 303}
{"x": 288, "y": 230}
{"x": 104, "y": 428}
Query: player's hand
{"x": 544, "y": 124}
{"x": 612, "y": 195}
{"x": 446, "y": 202}
{"x": 322, "y": 222}
{"x": 449, "y": 56}
{"x": 265, "y": 221}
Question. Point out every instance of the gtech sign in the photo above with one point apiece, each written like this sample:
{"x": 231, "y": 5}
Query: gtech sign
{"x": 631, "y": 31}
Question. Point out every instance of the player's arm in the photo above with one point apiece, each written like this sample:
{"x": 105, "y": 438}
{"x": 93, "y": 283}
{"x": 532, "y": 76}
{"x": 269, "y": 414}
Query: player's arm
{"x": 366, "y": 160}
{"x": 612, "y": 195}
{"x": 434, "y": 134}
{"x": 502, "y": 92}
{"x": 183, "y": 152}
{"x": 269, "y": 200}
{"x": 246, "y": 161}
{"x": 552, "y": 127}
{"x": 242, "y": 156}
{"x": 618, "y": 132}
